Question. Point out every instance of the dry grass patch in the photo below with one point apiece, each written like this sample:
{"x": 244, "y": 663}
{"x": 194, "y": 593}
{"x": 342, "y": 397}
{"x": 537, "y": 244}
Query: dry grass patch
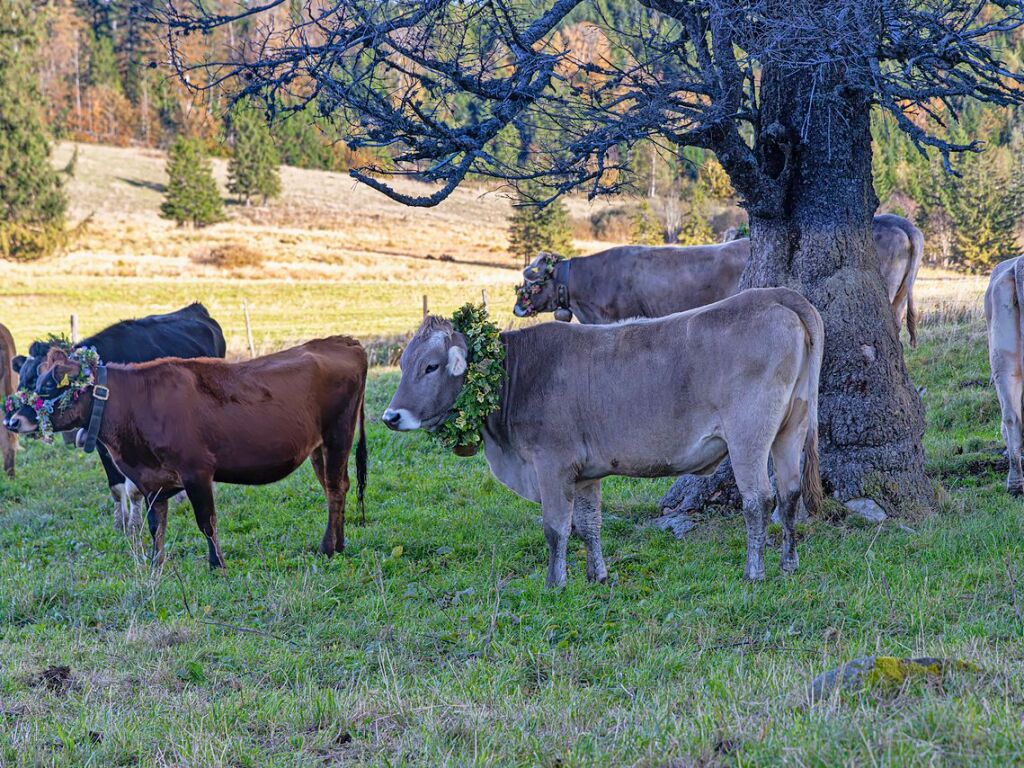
{"x": 229, "y": 256}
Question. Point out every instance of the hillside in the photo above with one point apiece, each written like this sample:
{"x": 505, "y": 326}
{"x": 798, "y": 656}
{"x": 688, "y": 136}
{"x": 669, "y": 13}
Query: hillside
{"x": 335, "y": 255}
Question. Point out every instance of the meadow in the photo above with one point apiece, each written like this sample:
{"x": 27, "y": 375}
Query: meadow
{"x": 432, "y": 641}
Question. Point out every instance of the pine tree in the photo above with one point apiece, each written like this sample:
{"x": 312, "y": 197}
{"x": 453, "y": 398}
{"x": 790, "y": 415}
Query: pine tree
{"x": 984, "y": 206}
{"x": 646, "y": 229}
{"x": 253, "y": 168}
{"x": 103, "y": 64}
{"x": 32, "y": 199}
{"x": 192, "y": 195}
{"x": 533, "y": 228}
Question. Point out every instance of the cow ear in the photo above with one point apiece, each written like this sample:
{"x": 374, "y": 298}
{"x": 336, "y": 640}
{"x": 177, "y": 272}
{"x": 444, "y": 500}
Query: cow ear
{"x": 533, "y": 271}
{"x": 456, "y": 361}
{"x": 17, "y": 362}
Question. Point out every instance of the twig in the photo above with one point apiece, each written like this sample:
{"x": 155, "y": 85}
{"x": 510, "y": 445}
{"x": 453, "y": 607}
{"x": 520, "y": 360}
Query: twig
{"x": 184, "y": 595}
{"x": 1011, "y": 575}
{"x": 250, "y": 631}
{"x": 888, "y": 593}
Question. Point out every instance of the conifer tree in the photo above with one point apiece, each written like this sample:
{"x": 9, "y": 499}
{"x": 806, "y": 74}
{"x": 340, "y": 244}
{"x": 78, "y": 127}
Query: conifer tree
{"x": 646, "y": 229}
{"x": 192, "y": 195}
{"x": 533, "y": 228}
{"x": 32, "y": 199}
{"x": 253, "y": 168}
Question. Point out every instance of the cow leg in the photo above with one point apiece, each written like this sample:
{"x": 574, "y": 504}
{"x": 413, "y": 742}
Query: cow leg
{"x": 156, "y": 516}
{"x": 556, "y": 498}
{"x": 330, "y": 463}
{"x": 1009, "y": 388}
{"x": 758, "y": 499}
{"x": 9, "y": 444}
{"x": 787, "y": 451}
{"x": 134, "y": 500}
{"x": 586, "y": 521}
{"x": 117, "y": 492}
{"x": 200, "y": 493}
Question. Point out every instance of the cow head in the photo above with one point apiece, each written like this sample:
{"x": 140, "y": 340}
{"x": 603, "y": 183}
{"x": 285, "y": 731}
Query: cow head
{"x": 27, "y": 366}
{"x": 62, "y": 390}
{"x": 538, "y": 292}
{"x": 433, "y": 368}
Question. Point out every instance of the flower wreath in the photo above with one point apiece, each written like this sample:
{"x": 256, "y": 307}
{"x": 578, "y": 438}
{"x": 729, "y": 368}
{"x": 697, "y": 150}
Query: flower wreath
{"x": 89, "y": 360}
{"x": 481, "y": 389}
{"x": 529, "y": 289}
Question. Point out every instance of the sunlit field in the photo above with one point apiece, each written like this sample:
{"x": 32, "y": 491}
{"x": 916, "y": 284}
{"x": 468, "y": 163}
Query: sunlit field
{"x": 432, "y": 641}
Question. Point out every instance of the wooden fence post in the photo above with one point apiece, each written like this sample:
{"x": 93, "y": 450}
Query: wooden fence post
{"x": 248, "y": 328}
{"x": 74, "y": 329}
{"x": 425, "y": 310}
{"x": 483, "y": 294}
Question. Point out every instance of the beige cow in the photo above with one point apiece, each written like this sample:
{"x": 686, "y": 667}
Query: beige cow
{"x": 1003, "y": 299}
{"x": 654, "y": 281}
{"x": 8, "y": 383}
{"x": 642, "y": 398}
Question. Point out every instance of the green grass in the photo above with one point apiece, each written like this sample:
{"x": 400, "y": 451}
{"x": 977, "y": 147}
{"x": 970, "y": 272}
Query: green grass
{"x": 282, "y": 313}
{"x": 432, "y": 641}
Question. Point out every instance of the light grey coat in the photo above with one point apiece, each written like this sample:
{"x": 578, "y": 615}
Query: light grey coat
{"x": 643, "y": 398}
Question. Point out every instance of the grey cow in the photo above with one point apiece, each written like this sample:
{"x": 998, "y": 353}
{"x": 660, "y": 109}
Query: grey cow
{"x": 1003, "y": 299}
{"x": 643, "y": 398}
{"x": 653, "y": 281}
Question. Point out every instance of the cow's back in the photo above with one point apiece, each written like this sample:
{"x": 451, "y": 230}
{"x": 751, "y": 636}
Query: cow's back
{"x": 634, "y": 388}
{"x": 189, "y": 332}
{"x": 655, "y": 281}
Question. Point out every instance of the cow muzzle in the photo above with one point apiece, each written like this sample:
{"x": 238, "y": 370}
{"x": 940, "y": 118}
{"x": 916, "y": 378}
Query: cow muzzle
{"x": 18, "y": 424}
{"x": 400, "y": 420}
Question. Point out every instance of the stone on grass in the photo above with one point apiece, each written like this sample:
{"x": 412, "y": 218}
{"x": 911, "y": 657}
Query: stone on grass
{"x": 882, "y": 674}
{"x": 867, "y": 510}
{"x": 676, "y": 523}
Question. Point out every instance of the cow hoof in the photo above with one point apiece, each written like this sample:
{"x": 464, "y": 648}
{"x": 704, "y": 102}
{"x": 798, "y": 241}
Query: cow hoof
{"x": 598, "y": 575}
{"x": 1015, "y": 489}
{"x": 752, "y": 575}
{"x": 789, "y": 566}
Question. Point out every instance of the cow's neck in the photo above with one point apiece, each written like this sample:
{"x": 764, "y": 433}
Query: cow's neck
{"x": 595, "y": 296}
{"x": 118, "y": 430}
{"x": 581, "y": 279}
{"x": 496, "y": 429}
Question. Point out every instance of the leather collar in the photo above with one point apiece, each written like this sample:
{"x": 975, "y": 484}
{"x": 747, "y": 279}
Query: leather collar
{"x": 100, "y": 395}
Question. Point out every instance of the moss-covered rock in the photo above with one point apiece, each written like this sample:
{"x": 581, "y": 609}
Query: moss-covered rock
{"x": 883, "y": 674}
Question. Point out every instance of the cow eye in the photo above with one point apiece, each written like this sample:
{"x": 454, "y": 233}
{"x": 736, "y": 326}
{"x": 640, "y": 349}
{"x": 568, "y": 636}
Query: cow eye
{"x": 431, "y": 368}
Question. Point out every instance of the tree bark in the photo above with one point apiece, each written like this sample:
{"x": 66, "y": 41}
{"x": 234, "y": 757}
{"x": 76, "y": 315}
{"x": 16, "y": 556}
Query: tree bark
{"x": 816, "y": 141}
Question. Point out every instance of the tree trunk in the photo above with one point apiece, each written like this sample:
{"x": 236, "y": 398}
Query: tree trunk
{"x": 819, "y": 242}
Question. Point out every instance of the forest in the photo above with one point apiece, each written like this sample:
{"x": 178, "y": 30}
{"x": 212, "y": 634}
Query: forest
{"x": 106, "y": 76}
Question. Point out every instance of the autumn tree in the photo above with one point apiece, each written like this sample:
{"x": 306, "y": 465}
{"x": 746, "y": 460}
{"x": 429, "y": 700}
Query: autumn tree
{"x": 782, "y": 92}
{"x": 32, "y": 199}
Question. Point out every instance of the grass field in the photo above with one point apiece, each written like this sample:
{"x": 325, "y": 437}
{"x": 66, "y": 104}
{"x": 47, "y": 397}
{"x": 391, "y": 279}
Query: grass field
{"x": 431, "y": 640}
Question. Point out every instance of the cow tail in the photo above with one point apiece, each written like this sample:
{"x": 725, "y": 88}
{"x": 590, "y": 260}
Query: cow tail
{"x": 361, "y": 457}
{"x": 916, "y": 257}
{"x": 810, "y": 481}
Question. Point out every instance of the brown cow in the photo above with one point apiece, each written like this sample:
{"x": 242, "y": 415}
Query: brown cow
{"x": 8, "y": 383}
{"x": 176, "y": 424}
{"x": 654, "y": 281}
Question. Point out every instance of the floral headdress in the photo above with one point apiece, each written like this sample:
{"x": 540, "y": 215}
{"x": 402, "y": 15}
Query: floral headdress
{"x": 481, "y": 389}
{"x": 531, "y": 288}
{"x": 70, "y": 390}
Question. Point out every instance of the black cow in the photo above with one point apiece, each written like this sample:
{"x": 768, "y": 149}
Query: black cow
{"x": 188, "y": 333}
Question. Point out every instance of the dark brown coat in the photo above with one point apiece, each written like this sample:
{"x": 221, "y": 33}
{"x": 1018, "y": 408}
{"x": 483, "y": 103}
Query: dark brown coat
{"x": 178, "y": 424}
